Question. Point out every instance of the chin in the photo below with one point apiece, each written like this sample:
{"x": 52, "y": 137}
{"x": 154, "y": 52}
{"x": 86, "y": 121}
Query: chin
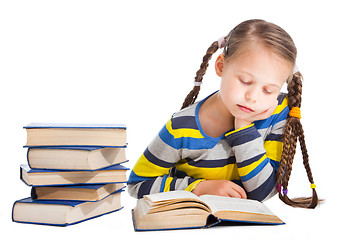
{"x": 241, "y": 115}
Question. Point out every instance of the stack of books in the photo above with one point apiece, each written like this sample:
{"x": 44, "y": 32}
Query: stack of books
{"x": 75, "y": 173}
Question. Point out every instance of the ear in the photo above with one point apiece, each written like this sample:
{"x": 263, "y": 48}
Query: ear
{"x": 219, "y": 64}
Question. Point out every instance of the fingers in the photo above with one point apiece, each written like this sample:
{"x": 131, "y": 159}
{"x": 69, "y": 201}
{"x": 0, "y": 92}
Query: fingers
{"x": 234, "y": 194}
{"x": 224, "y": 188}
{"x": 236, "y": 191}
{"x": 240, "y": 191}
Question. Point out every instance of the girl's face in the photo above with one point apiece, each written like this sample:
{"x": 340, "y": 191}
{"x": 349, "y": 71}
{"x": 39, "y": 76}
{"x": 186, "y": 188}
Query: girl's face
{"x": 251, "y": 81}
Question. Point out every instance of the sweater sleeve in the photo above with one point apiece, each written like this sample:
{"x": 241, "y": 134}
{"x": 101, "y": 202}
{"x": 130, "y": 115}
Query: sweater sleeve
{"x": 258, "y": 158}
{"x": 152, "y": 171}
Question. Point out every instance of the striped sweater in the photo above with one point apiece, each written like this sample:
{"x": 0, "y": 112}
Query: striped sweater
{"x": 182, "y": 155}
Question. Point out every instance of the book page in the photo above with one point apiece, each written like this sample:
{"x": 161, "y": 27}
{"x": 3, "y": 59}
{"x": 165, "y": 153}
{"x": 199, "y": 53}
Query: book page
{"x": 218, "y": 203}
{"x": 169, "y": 201}
{"x": 165, "y": 196}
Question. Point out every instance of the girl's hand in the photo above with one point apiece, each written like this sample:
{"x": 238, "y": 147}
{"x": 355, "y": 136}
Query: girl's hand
{"x": 240, "y": 123}
{"x": 224, "y": 188}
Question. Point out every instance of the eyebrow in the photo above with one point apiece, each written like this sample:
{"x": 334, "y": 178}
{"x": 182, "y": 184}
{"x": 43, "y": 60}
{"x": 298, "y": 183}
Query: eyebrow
{"x": 274, "y": 85}
{"x": 248, "y": 74}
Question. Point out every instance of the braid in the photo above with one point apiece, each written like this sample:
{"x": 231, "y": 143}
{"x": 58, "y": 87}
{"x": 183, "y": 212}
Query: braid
{"x": 290, "y": 158}
{"x": 293, "y": 132}
{"x": 284, "y": 155}
{"x": 191, "y": 97}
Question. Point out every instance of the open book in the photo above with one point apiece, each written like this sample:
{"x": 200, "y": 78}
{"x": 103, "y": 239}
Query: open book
{"x": 183, "y": 209}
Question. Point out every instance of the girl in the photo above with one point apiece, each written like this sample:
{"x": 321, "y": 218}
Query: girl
{"x": 240, "y": 141}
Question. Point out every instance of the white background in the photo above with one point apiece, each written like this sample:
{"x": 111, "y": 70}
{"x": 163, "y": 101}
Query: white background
{"x": 134, "y": 62}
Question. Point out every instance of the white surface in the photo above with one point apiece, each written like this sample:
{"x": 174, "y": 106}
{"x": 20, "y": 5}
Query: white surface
{"x": 134, "y": 62}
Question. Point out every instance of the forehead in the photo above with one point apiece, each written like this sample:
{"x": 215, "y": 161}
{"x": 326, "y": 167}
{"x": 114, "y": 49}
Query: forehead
{"x": 261, "y": 64}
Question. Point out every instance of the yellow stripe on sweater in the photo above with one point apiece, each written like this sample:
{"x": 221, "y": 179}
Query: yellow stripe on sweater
{"x": 167, "y": 184}
{"x": 281, "y": 107}
{"x": 249, "y": 168}
{"x": 193, "y": 185}
{"x": 145, "y": 168}
{"x": 183, "y": 132}
{"x": 273, "y": 150}
{"x": 228, "y": 172}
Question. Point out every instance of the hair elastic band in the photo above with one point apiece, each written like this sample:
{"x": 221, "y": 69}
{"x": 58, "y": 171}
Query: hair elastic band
{"x": 221, "y": 42}
{"x": 296, "y": 69}
{"x": 313, "y": 186}
{"x": 197, "y": 84}
{"x": 278, "y": 187}
{"x": 295, "y": 112}
{"x": 285, "y": 191}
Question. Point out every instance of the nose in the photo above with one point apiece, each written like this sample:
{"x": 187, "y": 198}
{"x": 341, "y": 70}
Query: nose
{"x": 251, "y": 95}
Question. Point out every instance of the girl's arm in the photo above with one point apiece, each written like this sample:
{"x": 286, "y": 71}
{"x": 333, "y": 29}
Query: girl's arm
{"x": 151, "y": 173}
{"x": 258, "y": 159}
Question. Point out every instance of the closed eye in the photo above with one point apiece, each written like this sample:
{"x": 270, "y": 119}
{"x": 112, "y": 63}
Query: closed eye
{"x": 268, "y": 91}
{"x": 245, "y": 82}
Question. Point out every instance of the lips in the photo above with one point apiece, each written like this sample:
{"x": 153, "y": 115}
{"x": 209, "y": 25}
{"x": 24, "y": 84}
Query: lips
{"x": 245, "y": 109}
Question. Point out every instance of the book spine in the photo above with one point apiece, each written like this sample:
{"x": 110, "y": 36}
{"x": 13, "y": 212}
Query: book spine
{"x": 211, "y": 221}
{"x": 27, "y": 157}
{"x": 21, "y": 177}
{"x": 33, "y": 193}
{"x": 12, "y": 211}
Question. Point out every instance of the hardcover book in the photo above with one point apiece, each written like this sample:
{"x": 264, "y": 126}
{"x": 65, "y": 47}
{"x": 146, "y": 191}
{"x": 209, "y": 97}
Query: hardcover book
{"x": 86, "y": 192}
{"x": 41, "y": 177}
{"x": 50, "y": 134}
{"x": 183, "y": 209}
{"x": 72, "y": 158}
{"x": 63, "y": 212}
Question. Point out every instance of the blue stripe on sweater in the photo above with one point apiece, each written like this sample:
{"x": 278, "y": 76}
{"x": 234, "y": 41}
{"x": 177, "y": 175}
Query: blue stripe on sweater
{"x": 254, "y": 172}
{"x": 211, "y": 163}
{"x": 264, "y": 189}
{"x": 151, "y": 158}
{"x": 162, "y": 187}
{"x": 243, "y": 136}
{"x": 185, "y": 142}
{"x": 274, "y": 137}
{"x": 145, "y": 187}
{"x": 184, "y": 122}
{"x": 250, "y": 160}
{"x": 133, "y": 178}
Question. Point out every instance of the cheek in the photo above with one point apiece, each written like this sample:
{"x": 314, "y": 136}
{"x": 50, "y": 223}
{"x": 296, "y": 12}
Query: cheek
{"x": 267, "y": 102}
{"x": 230, "y": 92}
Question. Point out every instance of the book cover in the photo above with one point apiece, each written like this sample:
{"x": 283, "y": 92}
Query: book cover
{"x": 83, "y": 192}
{"x": 46, "y": 177}
{"x": 75, "y": 157}
{"x": 68, "y": 134}
{"x": 79, "y": 147}
{"x": 75, "y": 125}
{"x": 63, "y": 212}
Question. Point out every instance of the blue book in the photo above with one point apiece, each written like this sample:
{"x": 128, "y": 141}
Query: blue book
{"x": 83, "y": 192}
{"x": 66, "y": 134}
{"x": 63, "y": 212}
{"x": 43, "y": 177}
{"x": 183, "y": 209}
{"x": 74, "y": 157}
